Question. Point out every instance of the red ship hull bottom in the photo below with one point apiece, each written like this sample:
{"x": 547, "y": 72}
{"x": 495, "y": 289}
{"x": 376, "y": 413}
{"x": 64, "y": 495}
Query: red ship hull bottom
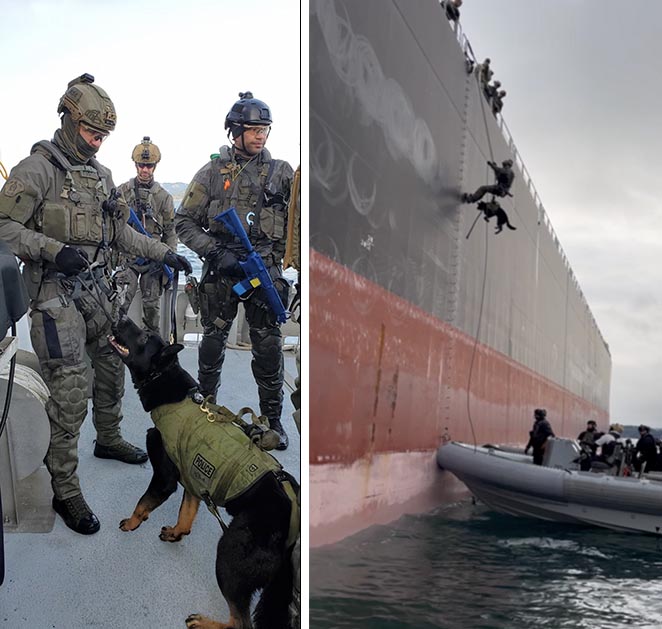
{"x": 347, "y": 499}
{"x": 388, "y": 381}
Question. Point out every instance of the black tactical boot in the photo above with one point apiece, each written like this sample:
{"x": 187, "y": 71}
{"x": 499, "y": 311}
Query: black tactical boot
{"x": 122, "y": 451}
{"x": 76, "y": 514}
{"x": 276, "y": 426}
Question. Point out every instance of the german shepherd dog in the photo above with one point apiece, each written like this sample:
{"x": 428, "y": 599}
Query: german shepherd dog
{"x": 252, "y": 553}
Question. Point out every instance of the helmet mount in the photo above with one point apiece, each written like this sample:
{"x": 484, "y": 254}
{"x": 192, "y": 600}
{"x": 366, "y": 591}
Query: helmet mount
{"x": 247, "y": 111}
{"x": 87, "y": 103}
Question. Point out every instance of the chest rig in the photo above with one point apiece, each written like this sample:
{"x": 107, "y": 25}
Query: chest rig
{"x": 241, "y": 187}
{"x": 73, "y": 215}
{"x": 143, "y": 201}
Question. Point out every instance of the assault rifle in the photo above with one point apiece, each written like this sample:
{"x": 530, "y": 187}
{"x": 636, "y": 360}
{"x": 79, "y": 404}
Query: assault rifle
{"x": 135, "y": 222}
{"x": 253, "y": 267}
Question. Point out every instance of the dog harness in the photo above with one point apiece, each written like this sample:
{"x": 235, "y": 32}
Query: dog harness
{"x": 214, "y": 455}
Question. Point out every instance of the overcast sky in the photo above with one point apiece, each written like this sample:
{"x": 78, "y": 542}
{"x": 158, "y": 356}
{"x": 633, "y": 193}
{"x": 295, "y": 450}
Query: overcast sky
{"x": 584, "y": 108}
{"x": 173, "y": 69}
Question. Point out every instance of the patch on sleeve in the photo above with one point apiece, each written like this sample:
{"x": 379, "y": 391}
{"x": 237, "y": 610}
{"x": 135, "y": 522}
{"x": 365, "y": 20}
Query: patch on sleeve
{"x": 195, "y": 196}
{"x": 13, "y": 187}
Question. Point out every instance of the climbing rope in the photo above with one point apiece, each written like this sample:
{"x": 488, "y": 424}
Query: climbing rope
{"x": 3, "y": 171}
{"x": 482, "y": 297}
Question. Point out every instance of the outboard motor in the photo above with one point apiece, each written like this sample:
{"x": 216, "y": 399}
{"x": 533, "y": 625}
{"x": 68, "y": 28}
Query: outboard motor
{"x": 13, "y": 306}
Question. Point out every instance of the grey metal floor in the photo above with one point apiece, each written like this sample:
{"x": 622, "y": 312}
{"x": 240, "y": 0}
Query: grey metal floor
{"x": 122, "y": 580}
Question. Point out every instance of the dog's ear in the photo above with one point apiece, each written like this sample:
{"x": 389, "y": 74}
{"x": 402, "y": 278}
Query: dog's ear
{"x": 171, "y": 350}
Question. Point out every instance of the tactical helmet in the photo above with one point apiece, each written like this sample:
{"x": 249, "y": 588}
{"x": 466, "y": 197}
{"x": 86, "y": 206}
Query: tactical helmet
{"x": 89, "y": 104}
{"x": 248, "y": 110}
{"x": 508, "y": 163}
{"x": 146, "y": 152}
{"x": 540, "y": 412}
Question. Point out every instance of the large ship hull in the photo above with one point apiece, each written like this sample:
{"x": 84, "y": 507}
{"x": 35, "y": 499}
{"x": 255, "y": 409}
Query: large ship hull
{"x": 418, "y": 331}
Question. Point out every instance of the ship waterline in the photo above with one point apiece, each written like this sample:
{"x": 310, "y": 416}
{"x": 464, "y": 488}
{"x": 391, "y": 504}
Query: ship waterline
{"x": 385, "y": 400}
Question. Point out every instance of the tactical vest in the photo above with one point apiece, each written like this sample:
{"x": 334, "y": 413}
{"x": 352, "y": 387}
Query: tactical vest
{"x": 214, "y": 457}
{"x": 145, "y": 206}
{"x": 73, "y": 216}
{"x": 244, "y": 190}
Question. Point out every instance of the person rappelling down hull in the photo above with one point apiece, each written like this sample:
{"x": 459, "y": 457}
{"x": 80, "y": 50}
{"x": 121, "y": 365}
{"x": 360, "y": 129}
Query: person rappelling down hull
{"x": 504, "y": 180}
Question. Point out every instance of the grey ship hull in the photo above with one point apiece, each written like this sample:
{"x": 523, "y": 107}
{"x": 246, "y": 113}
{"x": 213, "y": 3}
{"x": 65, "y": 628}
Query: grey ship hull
{"x": 417, "y": 331}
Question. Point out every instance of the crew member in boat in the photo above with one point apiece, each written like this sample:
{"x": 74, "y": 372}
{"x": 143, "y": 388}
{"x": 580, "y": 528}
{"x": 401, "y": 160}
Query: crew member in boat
{"x": 607, "y": 442}
{"x": 646, "y": 451}
{"x": 587, "y": 439}
{"x": 590, "y": 435}
{"x": 541, "y": 431}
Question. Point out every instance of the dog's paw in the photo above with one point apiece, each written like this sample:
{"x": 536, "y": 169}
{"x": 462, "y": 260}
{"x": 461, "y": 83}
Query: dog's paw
{"x": 196, "y": 621}
{"x": 172, "y": 534}
{"x": 130, "y": 524}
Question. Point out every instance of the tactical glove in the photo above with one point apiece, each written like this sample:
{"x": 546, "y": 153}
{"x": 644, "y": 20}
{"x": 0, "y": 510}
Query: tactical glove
{"x": 177, "y": 262}
{"x": 226, "y": 263}
{"x": 71, "y": 261}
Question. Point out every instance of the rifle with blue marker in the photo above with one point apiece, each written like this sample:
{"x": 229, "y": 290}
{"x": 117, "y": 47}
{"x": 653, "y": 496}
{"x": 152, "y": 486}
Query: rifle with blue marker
{"x": 134, "y": 221}
{"x": 253, "y": 267}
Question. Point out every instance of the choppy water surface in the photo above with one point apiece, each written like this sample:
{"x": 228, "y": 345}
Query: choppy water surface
{"x": 464, "y": 567}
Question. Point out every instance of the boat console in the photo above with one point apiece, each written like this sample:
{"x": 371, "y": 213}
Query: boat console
{"x": 562, "y": 453}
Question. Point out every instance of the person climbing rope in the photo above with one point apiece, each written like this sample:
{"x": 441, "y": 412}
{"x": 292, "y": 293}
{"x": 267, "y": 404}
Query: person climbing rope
{"x": 504, "y": 180}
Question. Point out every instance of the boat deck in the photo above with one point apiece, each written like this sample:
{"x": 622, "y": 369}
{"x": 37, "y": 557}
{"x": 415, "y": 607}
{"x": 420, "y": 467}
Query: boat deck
{"x": 115, "y": 579}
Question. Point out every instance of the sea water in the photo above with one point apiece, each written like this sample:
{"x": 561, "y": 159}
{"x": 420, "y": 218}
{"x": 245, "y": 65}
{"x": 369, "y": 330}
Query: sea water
{"x": 464, "y": 566}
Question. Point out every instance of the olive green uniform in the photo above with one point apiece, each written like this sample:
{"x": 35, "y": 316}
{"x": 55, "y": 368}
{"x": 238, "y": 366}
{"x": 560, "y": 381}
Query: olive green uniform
{"x": 293, "y": 259}
{"x": 155, "y": 209}
{"x": 49, "y": 201}
{"x": 231, "y": 181}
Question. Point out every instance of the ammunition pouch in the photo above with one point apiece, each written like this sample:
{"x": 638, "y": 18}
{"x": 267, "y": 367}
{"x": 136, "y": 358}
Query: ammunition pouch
{"x": 272, "y": 221}
{"x": 191, "y": 290}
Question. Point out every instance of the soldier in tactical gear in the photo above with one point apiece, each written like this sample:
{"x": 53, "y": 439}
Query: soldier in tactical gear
{"x": 497, "y": 101}
{"x": 504, "y": 180}
{"x": 155, "y": 209}
{"x": 246, "y": 177}
{"x": 538, "y": 435}
{"x": 57, "y": 214}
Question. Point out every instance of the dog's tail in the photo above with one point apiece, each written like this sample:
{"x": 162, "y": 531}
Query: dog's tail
{"x": 272, "y": 609}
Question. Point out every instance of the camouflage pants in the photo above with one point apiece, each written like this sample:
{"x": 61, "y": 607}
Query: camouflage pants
{"x": 61, "y": 331}
{"x": 218, "y": 309}
{"x": 151, "y": 289}
{"x": 295, "y": 605}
